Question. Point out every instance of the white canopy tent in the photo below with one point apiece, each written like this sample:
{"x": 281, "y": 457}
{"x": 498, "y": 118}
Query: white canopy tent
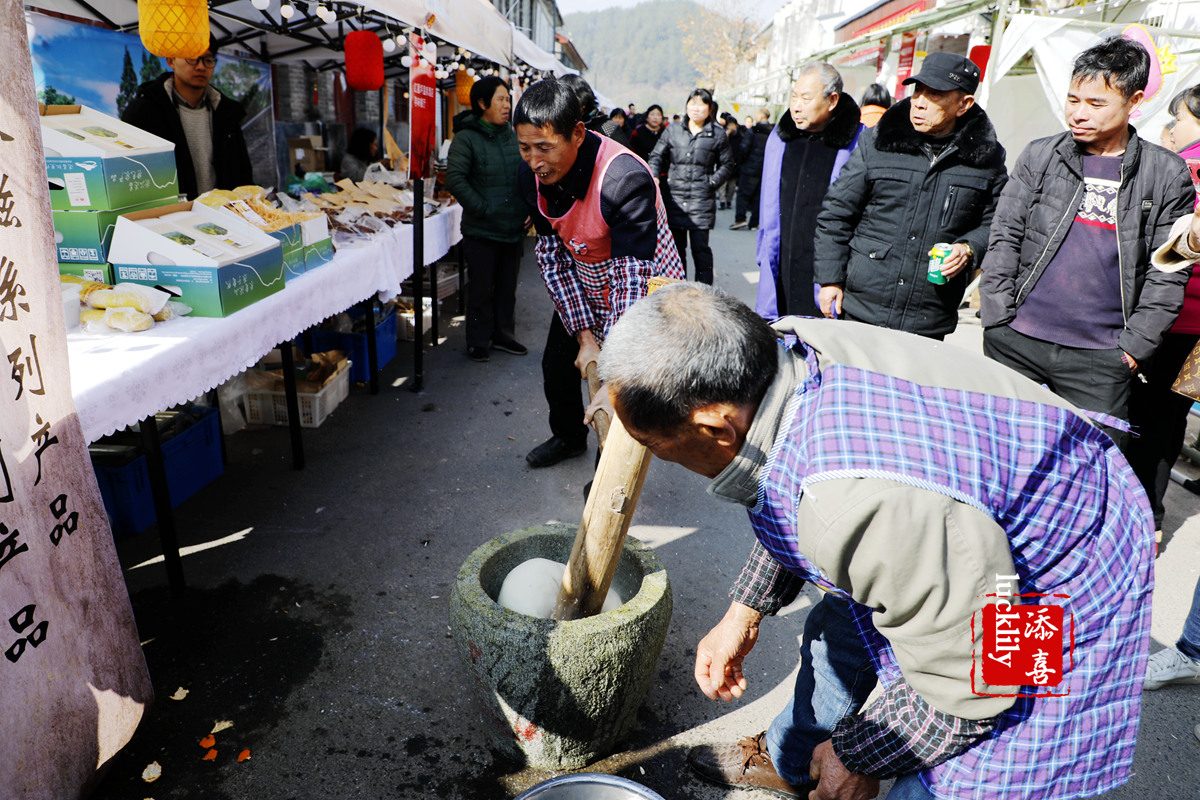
{"x": 474, "y": 25}
{"x": 532, "y": 55}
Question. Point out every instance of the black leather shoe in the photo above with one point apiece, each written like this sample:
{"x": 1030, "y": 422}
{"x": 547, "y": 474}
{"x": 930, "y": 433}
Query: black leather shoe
{"x": 477, "y": 353}
{"x": 554, "y": 450}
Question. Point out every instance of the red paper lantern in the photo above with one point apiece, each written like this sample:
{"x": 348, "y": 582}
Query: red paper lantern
{"x": 364, "y": 61}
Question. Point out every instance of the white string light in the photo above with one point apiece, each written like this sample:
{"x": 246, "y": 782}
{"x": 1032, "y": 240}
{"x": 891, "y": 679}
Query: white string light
{"x": 389, "y": 45}
{"x": 261, "y": 5}
{"x": 287, "y": 11}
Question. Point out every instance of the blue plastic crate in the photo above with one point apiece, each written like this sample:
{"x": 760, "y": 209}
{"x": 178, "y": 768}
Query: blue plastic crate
{"x": 355, "y": 346}
{"x": 192, "y": 460}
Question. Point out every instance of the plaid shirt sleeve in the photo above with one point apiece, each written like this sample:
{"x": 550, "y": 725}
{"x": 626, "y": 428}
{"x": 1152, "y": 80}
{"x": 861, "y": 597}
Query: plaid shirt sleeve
{"x": 629, "y": 281}
{"x": 558, "y": 270}
{"x": 901, "y": 733}
{"x": 764, "y": 585}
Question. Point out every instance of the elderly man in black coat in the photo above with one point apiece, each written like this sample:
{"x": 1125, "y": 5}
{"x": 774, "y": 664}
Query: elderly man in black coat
{"x": 929, "y": 173}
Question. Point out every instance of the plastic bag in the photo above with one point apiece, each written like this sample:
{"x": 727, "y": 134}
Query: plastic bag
{"x": 229, "y": 403}
{"x": 171, "y": 310}
{"x": 130, "y": 320}
{"x": 129, "y": 295}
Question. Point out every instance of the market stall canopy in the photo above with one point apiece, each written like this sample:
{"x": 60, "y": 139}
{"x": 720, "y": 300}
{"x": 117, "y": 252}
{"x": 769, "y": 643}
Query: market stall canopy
{"x": 475, "y": 25}
{"x": 525, "y": 50}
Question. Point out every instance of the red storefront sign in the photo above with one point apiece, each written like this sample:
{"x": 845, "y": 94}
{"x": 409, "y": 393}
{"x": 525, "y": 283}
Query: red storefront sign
{"x": 908, "y": 48}
{"x": 878, "y": 20}
{"x": 422, "y": 107}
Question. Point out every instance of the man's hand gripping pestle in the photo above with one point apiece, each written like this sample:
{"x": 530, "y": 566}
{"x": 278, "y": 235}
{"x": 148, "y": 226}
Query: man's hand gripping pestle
{"x": 607, "y": 513}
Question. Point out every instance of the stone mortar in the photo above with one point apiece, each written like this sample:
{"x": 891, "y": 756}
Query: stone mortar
{"x": 558, "y": 695}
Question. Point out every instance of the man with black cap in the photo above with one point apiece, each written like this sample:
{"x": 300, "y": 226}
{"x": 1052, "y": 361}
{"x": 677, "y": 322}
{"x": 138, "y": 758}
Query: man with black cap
{"x": 929, "y": 173}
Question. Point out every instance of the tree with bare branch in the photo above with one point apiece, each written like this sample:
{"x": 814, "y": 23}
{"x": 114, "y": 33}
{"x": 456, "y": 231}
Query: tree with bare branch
{"x": 719, "y": 37}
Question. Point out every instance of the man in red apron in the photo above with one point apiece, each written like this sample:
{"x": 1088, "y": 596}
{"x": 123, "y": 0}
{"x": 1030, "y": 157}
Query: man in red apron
{"x": 602, "y": 234}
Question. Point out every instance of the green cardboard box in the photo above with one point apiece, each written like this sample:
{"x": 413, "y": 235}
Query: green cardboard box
{"x": 97, "y": 162}
{"x": 291, "y": 241}
{"x": 214, "y": 285}
{"x": 318, "y": 242}
{"x": 101, "y": 273}
{"x": 85, "y": 236}
{"x": 213, "y": 291}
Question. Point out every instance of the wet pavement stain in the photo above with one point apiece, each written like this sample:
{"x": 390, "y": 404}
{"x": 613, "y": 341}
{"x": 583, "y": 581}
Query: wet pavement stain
{"x": 240, "y": 650}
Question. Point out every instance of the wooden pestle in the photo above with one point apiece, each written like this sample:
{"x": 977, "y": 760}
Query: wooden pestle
{"x": 606, "y": 517}
{"x": 608, "y": 511}
{"x": 600, "y": 420}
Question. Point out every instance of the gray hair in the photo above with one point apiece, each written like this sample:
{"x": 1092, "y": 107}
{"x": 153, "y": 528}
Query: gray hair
{"x": 831, "y": 79}
{"x": 684, "y": 347}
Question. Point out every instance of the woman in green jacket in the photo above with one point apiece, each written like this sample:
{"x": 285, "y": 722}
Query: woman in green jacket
{"x": 482, "y": 175}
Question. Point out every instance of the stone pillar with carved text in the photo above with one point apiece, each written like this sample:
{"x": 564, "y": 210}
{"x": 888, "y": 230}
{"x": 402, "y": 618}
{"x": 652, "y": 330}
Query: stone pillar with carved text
{"x": 73, "y": 680}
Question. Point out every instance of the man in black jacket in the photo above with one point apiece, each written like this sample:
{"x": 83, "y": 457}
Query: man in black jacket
{"x": 204, "y": 124}
{"x": 754, "y": 146}
{"x": 929, "y": 173}
{"x": 1069, "y": 297}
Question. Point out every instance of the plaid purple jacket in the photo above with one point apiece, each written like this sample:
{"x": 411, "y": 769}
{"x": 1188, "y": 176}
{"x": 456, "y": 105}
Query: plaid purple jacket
{"x": 1077, "y": 525}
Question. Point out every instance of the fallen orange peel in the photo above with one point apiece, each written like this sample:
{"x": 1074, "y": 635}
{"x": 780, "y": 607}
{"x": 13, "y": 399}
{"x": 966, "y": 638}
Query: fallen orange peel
{"x": 211, "y": 755}
{"x": 242, "y": 756}
{"x": 208, "y": 741}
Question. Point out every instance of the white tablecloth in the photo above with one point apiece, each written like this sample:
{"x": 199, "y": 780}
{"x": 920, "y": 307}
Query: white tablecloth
{"x": 120, "y": 379}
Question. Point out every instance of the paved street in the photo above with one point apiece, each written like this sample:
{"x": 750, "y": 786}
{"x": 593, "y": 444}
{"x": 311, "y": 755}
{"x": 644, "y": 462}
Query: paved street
{"x": 317, "y": 609}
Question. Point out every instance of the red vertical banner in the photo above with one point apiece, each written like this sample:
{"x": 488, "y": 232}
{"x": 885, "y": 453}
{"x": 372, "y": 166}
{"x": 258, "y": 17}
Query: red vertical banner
{"x": 908, "y": 48}
{"x": 422, "y": 105}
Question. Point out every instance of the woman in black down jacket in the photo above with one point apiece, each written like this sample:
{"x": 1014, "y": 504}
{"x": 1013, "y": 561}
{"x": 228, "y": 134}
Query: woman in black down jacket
{"x": 696, "y": 157}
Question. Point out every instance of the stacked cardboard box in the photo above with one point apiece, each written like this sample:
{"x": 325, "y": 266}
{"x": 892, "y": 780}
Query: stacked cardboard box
{"x": 99, "y": 168}
{"x": 308, "y": 152}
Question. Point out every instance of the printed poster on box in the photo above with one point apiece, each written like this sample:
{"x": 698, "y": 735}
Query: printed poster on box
{"x": 422, "y": 107}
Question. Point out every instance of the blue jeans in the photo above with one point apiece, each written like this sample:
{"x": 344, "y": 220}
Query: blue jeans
{"x": 1189, "y": 642}
{"x": 836, "y": 677}
{"x": 909, "y": 787}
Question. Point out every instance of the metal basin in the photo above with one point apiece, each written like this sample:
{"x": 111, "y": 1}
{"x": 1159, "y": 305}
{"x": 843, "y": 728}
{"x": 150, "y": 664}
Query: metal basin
{"x": 590, "y": 786}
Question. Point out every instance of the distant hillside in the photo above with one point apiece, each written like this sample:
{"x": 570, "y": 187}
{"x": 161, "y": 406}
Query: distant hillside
{"x": 636, "y": 54}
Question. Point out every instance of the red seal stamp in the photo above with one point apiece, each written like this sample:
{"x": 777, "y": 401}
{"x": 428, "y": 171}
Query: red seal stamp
{"x": 1024, "y": 642}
